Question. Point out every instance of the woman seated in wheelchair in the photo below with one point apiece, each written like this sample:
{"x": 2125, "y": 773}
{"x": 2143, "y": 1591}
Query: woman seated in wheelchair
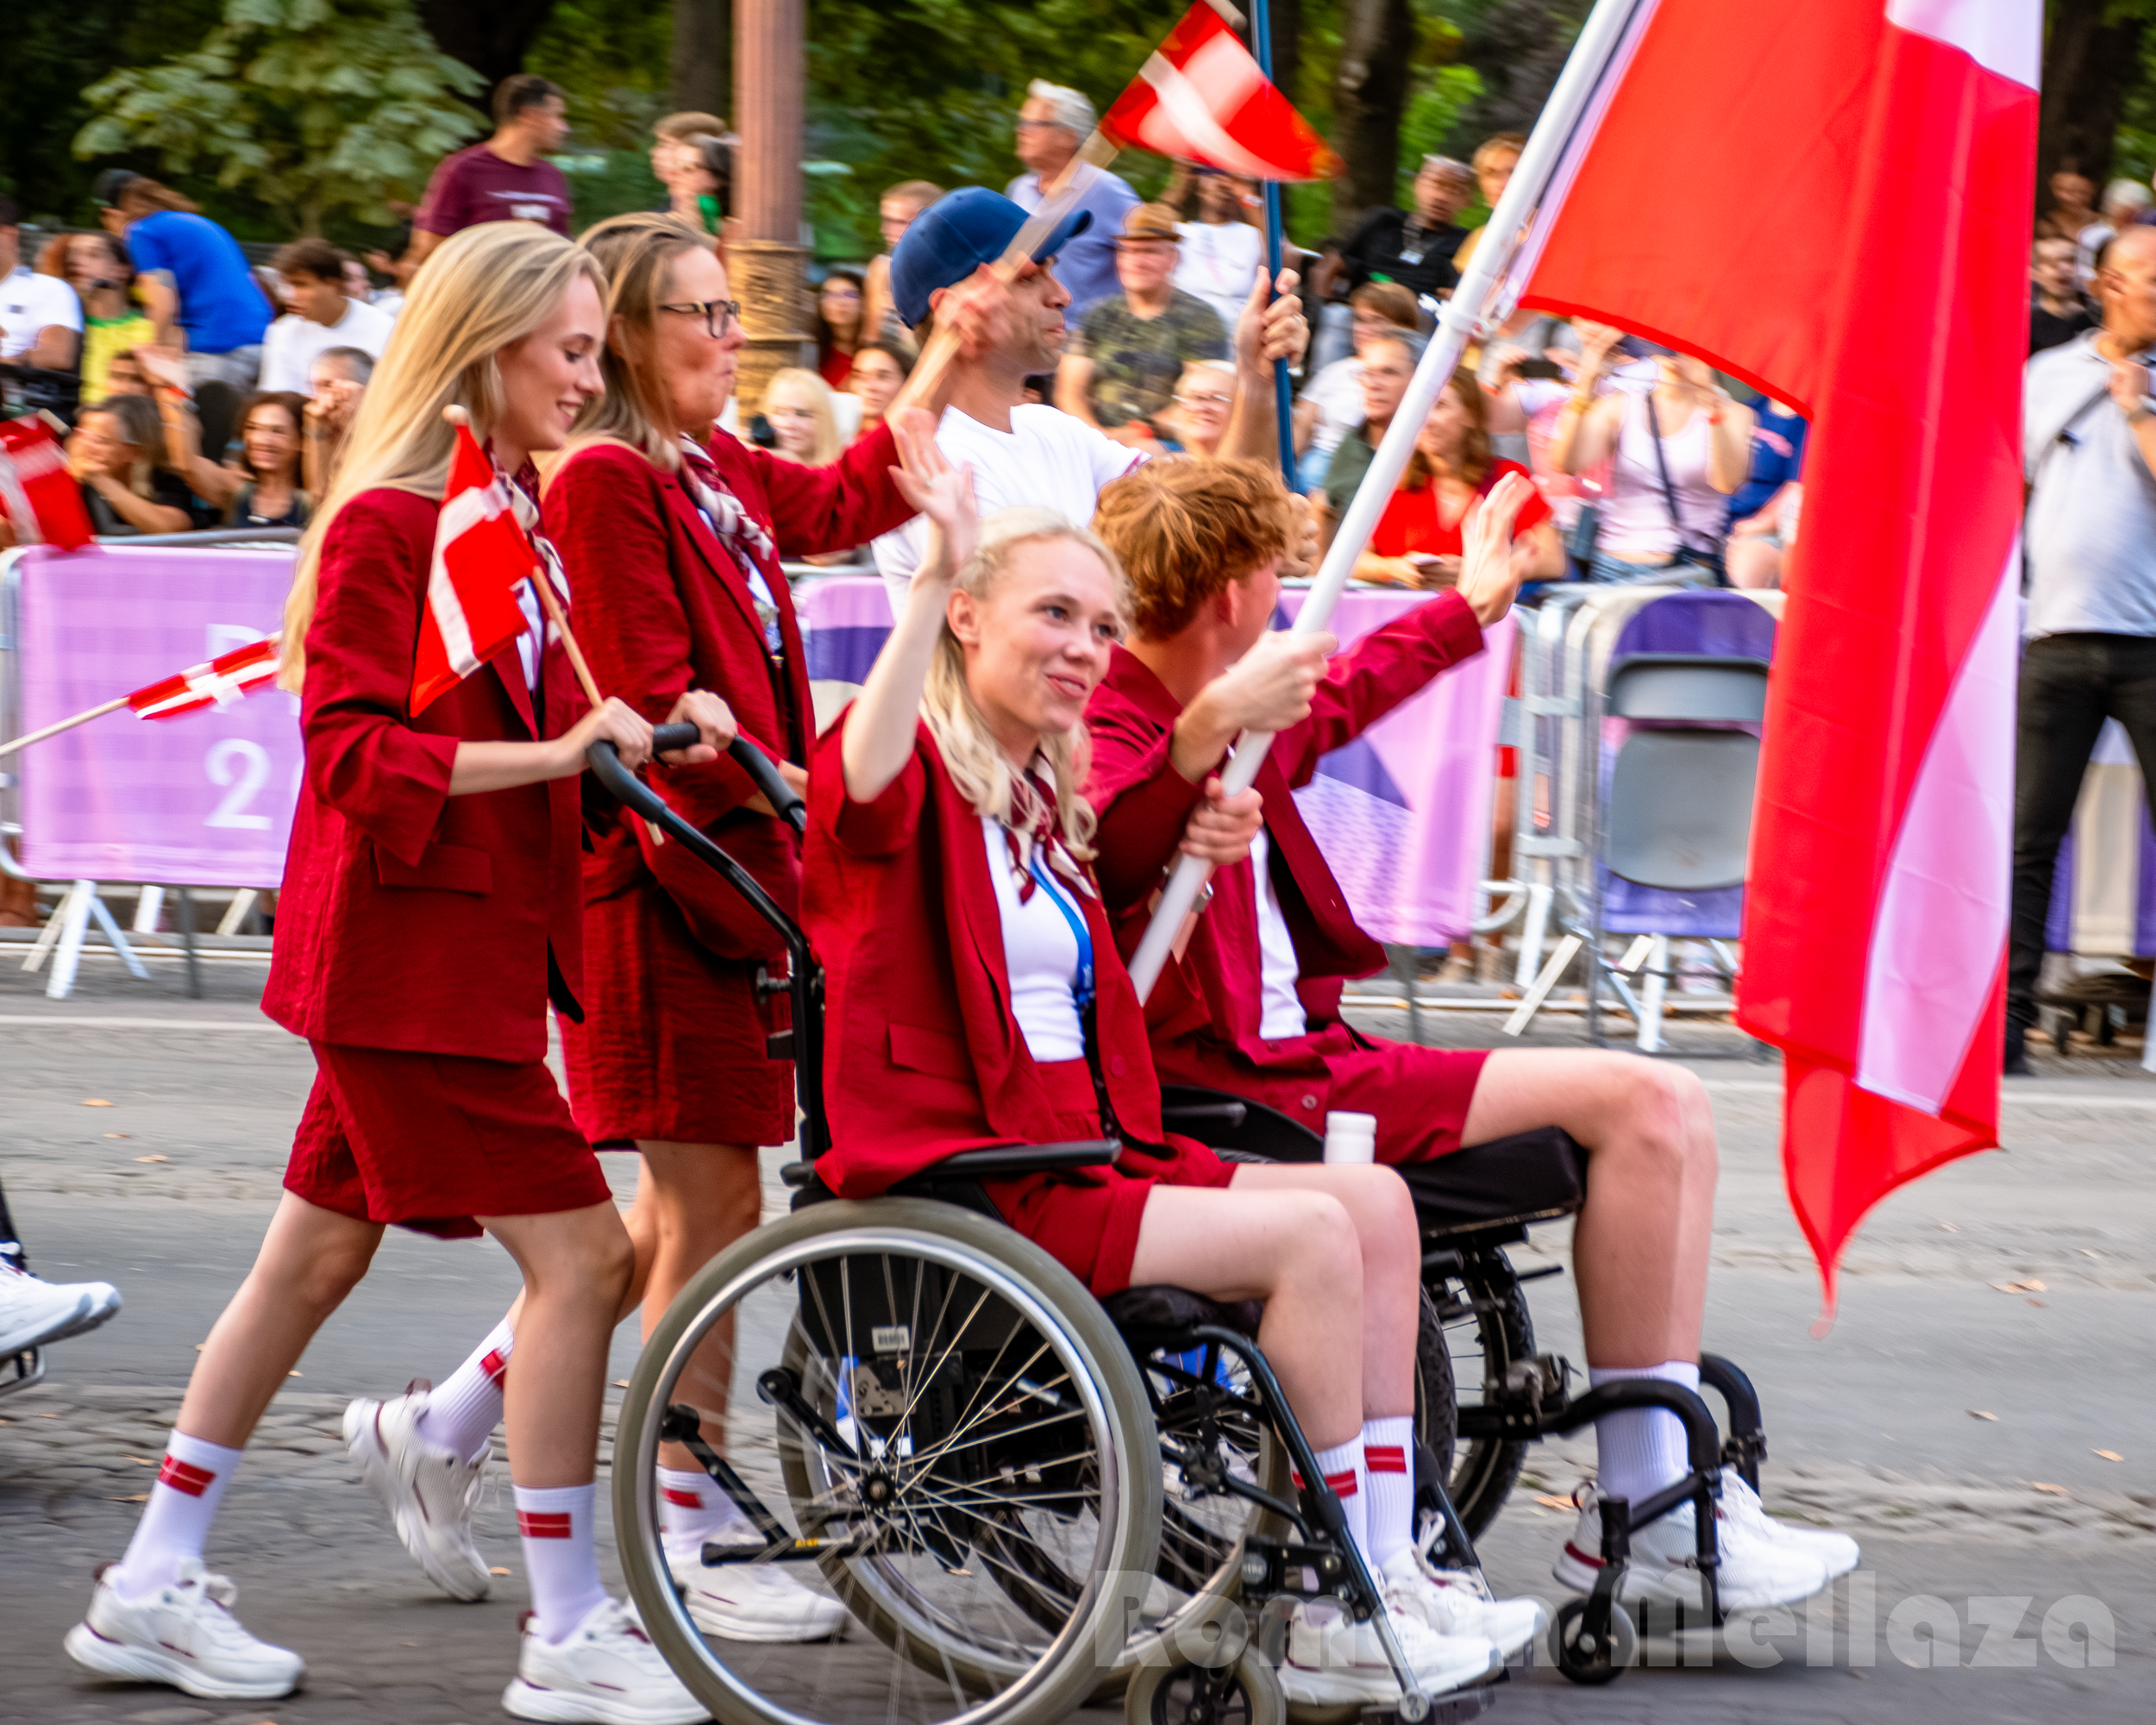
{"x": 974, "y": 998}
{"x": 1251, "y": 1002}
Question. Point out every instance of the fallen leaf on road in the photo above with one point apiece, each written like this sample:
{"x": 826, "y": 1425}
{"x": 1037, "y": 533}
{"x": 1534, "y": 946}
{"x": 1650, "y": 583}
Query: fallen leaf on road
{"x": 1948, "y": 1229}
{"x": 1978, "y": 1413}
{"x": 119, "y": 1134}
{"x": 293, "y": 1374}
{"x": 2032, "y": 1286}
{"x": 152, "y": 1158}
{"x": 96, "y": 1102}
{"x": 621, "y": 1384}
{"x": 2039, "y": 1303}
{"x": 141, "y": 1461}
{"x": 140, "y": 1498}
{"x": 2109, "y": 1455}
{"x": 1549, "y": 1502}
{"x": 2055, "y": 1490}
{"x": 501, "y": 1572}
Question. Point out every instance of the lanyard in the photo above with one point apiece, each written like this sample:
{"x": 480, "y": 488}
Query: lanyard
{"x": 1082, "y": 983}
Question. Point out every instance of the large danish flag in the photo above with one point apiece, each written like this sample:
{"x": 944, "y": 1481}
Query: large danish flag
{"x": 38, "y": 495}
{"x": 1200, "y": 97}
{"x": 1841, "y": 215}
{"x": 480, "y": 554}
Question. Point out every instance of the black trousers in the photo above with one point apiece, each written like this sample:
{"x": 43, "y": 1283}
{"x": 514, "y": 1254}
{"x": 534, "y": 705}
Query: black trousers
{"x": 2070, "y": 685}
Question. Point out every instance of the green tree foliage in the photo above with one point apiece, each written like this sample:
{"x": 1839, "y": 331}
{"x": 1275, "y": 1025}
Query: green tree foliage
{"x": 315, "y": 108}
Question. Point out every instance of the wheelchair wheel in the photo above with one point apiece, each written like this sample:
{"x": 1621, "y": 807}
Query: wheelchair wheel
{"x": 944, "y": 1429}
{"x": 1483, "y": 1313}
{"x": 1247, "y": 1692}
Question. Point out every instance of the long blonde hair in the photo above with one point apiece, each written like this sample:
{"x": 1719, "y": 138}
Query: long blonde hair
{"x": 828, "y": 444}
{"x": 484, "y": 289}
{"x": 976, "y": 761}
{"x": 635, "y": 251}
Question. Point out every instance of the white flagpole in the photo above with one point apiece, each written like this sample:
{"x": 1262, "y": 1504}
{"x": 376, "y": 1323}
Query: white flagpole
{"x": 1601, "y": 42}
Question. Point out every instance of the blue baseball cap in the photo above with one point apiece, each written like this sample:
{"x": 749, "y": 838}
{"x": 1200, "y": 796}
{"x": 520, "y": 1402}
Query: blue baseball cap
{"x": 954, "y": 236}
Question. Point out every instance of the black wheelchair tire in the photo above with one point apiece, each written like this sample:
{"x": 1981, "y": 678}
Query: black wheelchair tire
{"x": 1493, "y": 1307}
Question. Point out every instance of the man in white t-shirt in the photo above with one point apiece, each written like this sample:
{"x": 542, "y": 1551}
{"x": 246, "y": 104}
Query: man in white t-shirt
{"x": 41, "y": 318}
{"x": 321, "y": 317}
{"x": 1024, "y": 453}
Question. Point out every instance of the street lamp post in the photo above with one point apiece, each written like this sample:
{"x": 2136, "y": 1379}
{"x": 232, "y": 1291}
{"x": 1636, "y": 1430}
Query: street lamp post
{"x": 768, "y": 261}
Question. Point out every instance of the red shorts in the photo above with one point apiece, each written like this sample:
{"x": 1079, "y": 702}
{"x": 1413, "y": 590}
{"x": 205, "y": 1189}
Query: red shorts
{"x": 1421, "y": 1095}
{"x": 1088, "y": 1220}
{"x": 432, "y": 1141}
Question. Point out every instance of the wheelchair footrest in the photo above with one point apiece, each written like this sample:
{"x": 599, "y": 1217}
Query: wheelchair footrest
{"x": 1455, "y": 1709}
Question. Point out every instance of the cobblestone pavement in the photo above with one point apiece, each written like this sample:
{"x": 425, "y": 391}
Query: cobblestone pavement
{"x": 1871, "y": 1425}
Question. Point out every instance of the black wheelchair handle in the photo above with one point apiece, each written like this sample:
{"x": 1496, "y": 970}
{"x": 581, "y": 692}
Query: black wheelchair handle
{"x": 785, "y": 800}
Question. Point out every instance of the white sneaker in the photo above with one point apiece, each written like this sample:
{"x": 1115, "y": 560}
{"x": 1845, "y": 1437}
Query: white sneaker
{"x": 183, "y": 1634}
{"x": 1455, "y": 1601}
{"x": 752, "y": 1602}
{"x": 34, "y": 1311}
{"x": 429, "y": 1493}
{"x": 1333, "y": 1661}
{"x": 1741, "y": 1504}
{"x": 605, "y": 1672}
{"x": 1756, "y": 1570}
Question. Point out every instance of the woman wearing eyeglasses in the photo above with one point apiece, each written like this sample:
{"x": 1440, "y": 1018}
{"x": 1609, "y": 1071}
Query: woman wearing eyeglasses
{"x": 672, "y": 547}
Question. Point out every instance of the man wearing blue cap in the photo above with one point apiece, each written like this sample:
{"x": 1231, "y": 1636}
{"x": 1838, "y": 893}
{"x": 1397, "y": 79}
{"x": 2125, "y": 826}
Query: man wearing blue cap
{"x": 1029, "y": 452}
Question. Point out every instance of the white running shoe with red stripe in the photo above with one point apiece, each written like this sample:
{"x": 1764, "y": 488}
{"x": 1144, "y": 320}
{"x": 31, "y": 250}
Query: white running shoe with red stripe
{"x": 1333, "y": 1661}
{"x": 752, "y": 1602}
{"x": 1757, "y": 1569}
{"x": 1455, "y": 1602}
{"x": 183, "y": 1634}
{"x": 604, "y": 1672}
{"x": 429, "y": 1493}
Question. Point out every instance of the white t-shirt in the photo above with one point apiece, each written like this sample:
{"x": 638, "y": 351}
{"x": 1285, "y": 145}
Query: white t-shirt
{"x": 1041, "y": 953}
{"x": 1279, "y": 1007}
{"x": 1047, "y": 458}
{"x": 30, "y": 302}
{"x": 293, "y": 343}
{"x": 1219, "y": 261}
{"x": 1338, "y": 390}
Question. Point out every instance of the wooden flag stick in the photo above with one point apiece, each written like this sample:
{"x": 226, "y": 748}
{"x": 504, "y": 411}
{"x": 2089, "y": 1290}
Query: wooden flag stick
{"x": 10, "y": 748}
{"x": 540, "y": 581}
{"x": 1057, "y": 198}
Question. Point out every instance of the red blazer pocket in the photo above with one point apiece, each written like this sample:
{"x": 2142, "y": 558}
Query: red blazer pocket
{"x": 936, "y": 1052}
{"x": 444, "y": 868}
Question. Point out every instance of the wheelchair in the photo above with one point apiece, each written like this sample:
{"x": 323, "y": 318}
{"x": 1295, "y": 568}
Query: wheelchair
{"x": 1029, "y": 1498}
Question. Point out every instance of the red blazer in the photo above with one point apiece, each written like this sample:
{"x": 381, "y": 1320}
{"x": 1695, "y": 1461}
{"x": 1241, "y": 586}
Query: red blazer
{"x": 662, "y": 607}
{"x": 922, "y": 1055}
{"x": 410, "y": 919}
{"x": 1205, "y": 1009}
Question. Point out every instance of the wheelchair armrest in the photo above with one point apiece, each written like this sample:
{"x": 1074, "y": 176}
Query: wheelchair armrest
{"x": 1224, "y": 1113}
{"x": 996, "y": 1161}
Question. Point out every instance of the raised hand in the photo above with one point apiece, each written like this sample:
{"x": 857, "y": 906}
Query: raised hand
{"x": 1488, "y": 577}
{"x": 942, "y": 492}
{"x": 1265, "y": 332}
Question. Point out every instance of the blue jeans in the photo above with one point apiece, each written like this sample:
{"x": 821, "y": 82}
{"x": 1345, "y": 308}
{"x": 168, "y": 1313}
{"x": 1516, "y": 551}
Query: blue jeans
{"x": 1616, "y": 572}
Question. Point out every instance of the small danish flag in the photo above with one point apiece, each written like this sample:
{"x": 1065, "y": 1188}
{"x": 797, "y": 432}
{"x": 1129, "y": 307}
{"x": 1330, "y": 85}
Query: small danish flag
{"x": 38, "y": 495}
{"x": 226, "y": 679}
{"x": 481, "y": 556}
{"x": 1200, "y": 97}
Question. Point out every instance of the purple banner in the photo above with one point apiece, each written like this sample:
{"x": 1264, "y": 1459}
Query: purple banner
{"x": 203, "y": 799}
{"x": 1402, "y": 814}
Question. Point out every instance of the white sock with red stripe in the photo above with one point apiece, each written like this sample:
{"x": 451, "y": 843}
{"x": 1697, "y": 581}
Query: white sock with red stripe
{"x": 462, "y": 1412}
{"x": 1389, "y": 1477}
{"x": 190, "y": 1484}
{"x": 1640, "y": 1450}
{"x": 692, "y": 1508}
{"x": 559, "y": 1556}
{"x": 1342, "y": 1466}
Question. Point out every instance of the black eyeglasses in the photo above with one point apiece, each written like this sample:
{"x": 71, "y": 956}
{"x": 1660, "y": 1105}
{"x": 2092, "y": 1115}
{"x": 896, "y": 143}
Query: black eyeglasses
{"x": 718, "y": 315}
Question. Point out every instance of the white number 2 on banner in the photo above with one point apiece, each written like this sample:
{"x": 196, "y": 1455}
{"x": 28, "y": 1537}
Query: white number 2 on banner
{"x": 243, "y": 766}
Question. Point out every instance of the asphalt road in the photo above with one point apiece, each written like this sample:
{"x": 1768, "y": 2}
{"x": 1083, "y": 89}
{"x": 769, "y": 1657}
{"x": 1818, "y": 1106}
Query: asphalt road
{"x": 1872, "y": 1425}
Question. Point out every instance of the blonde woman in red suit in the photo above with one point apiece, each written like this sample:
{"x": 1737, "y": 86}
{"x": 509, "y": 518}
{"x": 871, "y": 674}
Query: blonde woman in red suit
{"x": 431, "y": 908}
{"x": 673, "y": 551}
{"x": 949, "y": 892}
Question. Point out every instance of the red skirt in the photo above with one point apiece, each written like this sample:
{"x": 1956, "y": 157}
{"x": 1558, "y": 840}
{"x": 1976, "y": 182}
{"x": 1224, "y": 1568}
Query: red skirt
{"x": 672, "y": 1045}
{"x": 430, "y": 1142}
{"x": 1088, "y": 1220}
{"x": 1421, "y": 1095}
